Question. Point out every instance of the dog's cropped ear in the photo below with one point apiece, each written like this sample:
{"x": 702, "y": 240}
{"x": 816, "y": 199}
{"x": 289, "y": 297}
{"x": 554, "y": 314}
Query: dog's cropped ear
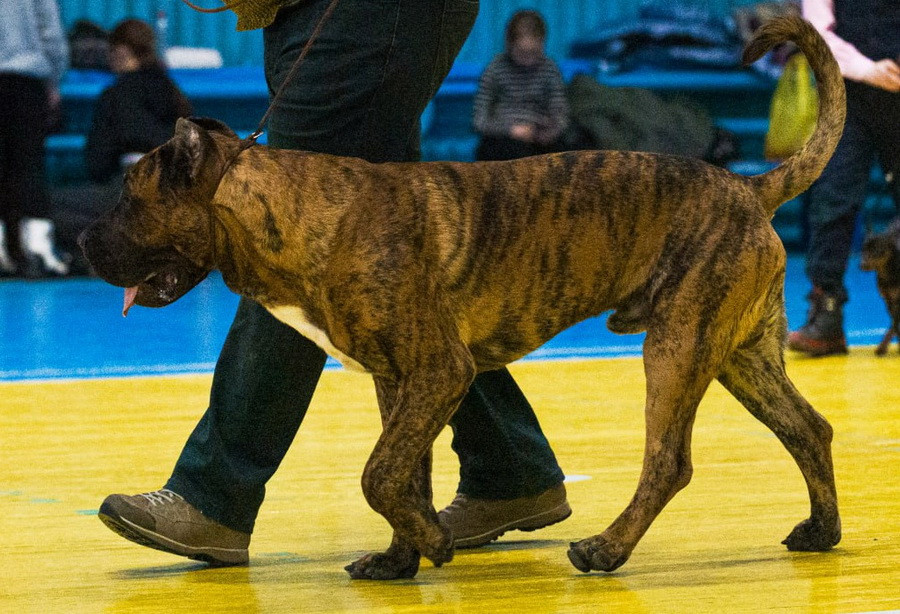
{"x": 192, "y": 144}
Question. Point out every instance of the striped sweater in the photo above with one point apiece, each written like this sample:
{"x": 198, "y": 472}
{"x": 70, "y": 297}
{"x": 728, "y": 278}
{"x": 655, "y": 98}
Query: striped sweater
{"x": 510, "y": 94}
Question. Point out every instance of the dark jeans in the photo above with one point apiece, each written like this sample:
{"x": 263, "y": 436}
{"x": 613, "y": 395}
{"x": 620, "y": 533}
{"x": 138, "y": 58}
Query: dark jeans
{"x": 359, "y": 93}
{"x": 836, "y": 198}
{"x": 23, "y": 101}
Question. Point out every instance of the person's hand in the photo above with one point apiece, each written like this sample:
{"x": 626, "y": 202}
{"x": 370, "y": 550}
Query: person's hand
{"x": 522, "y": 132}
{"x": 884, "y": 74}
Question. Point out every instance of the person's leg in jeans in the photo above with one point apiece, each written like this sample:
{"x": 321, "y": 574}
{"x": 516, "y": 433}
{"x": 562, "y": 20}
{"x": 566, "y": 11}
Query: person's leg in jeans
{"x": 835, "y": 201}
{"x": 360, "y": 92}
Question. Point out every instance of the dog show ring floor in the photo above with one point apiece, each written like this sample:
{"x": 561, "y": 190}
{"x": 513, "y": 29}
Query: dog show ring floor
{"x": 92, "y": 404}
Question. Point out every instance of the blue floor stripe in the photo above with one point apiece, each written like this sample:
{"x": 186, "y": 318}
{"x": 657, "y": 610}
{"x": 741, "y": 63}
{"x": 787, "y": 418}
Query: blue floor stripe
{"x": 73, "y": 328}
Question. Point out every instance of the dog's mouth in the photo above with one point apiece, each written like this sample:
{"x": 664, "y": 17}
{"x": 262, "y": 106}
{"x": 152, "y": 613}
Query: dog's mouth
{"x": 163, "y": 287}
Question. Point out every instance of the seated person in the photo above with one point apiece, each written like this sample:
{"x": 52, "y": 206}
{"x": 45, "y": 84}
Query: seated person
{"x": 520, "y": 108}
{"x": 138, "y": 112}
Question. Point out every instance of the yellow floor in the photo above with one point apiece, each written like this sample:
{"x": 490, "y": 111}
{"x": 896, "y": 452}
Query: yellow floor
{"x": 715, "y": 548}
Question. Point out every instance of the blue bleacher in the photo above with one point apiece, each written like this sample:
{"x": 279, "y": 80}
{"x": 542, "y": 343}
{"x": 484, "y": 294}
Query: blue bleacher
{"x": 239, "y": 96}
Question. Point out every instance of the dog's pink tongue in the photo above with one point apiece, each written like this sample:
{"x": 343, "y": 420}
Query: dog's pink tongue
{"x": 130, "y": 295}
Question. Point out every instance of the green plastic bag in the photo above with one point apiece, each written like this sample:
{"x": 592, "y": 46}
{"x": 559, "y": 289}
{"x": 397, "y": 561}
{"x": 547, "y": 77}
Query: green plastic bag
{"x": 792, "y": 116}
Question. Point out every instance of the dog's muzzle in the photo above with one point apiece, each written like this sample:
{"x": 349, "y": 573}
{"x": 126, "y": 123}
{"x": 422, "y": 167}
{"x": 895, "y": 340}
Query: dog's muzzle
{"x": 152, "y": 277}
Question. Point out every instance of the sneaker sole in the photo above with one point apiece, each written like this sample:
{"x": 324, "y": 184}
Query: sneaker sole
{"x": 531, "y": 523}
{"x": 216, "y": 557}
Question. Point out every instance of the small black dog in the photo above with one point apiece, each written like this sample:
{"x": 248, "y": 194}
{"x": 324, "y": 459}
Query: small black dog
{"x": 881, "y": 253}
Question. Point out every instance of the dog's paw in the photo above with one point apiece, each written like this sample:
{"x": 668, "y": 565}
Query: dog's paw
{"x": 442, "y": 551}
{"x": 812, "y": 535}
{"x": 596, "y": 553}
{"x": 384, "y": 566}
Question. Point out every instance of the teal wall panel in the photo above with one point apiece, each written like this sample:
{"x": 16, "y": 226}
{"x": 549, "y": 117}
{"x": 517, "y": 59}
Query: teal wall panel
{"x": 185, "y": 26}
{"x": 566, "y": 20}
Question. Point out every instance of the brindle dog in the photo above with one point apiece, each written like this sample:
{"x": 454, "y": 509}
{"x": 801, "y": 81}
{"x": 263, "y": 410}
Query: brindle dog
{"x": 881, "y": 253}
{"x": 424, "y": 274}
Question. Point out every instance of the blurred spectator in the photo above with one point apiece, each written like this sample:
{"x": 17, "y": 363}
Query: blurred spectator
{"x": 33, "y": 57}
{"x": 520, "y": 108}
{"x": 864, "y": 36}
{"x": 88, "y": 46}
{"x": 138, "y": 112}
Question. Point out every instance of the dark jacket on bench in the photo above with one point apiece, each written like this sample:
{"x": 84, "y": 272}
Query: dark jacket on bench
{"x": 134, "y": 115}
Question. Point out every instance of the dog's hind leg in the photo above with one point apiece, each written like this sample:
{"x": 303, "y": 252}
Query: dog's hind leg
{"x": 397, "y": 478}
{"x": 756, "y": 376}
{"x": 885, "y": 343}
{"x": 677, "y": 377}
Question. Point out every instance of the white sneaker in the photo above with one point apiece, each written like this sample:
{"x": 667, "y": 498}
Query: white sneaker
{"x": 37, "y": 242}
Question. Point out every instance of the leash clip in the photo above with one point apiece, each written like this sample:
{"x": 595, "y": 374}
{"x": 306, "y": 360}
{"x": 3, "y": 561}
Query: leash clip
{"x": 251, "y": 140}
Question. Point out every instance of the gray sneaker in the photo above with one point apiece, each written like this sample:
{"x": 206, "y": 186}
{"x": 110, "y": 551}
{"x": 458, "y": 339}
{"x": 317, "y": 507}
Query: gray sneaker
{"x": 476, "y": 522}
{"x": 163, "y": 520}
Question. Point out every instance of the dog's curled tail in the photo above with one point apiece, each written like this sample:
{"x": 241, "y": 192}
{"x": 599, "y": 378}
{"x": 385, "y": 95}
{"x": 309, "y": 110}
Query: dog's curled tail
{"x": 798, "y": 172}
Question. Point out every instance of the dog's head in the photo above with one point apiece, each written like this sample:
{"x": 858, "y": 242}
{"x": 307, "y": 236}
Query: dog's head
{"x": 878, "y": 249}
{"x": 158, "y": 240}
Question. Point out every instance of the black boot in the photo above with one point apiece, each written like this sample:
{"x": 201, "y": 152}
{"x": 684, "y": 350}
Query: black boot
{"x": 823, "y": 333}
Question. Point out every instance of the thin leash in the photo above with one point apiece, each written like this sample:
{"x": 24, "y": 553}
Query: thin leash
{"x": 251, "y": 140}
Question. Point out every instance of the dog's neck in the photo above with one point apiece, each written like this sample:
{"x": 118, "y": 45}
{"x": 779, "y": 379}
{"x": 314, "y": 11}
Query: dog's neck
{"x": 249, "y": 242}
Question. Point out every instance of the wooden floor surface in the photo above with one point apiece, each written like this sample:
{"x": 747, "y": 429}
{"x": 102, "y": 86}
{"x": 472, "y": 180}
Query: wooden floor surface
{"x": 715, "y": 548}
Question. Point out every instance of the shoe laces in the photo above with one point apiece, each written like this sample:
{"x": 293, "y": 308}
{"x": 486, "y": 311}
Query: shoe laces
{"x": 162, "y": 497}
{"x": 462, "y": 504}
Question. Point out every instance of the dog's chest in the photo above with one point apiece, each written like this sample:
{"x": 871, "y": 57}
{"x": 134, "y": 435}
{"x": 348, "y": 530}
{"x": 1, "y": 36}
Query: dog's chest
{"x": 296, "y": 319}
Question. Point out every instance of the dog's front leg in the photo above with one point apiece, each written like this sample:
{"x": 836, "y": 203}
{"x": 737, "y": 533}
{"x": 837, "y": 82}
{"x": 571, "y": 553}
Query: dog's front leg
{"x": 397, "y": 478}
{"x": 401, "y": 559}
